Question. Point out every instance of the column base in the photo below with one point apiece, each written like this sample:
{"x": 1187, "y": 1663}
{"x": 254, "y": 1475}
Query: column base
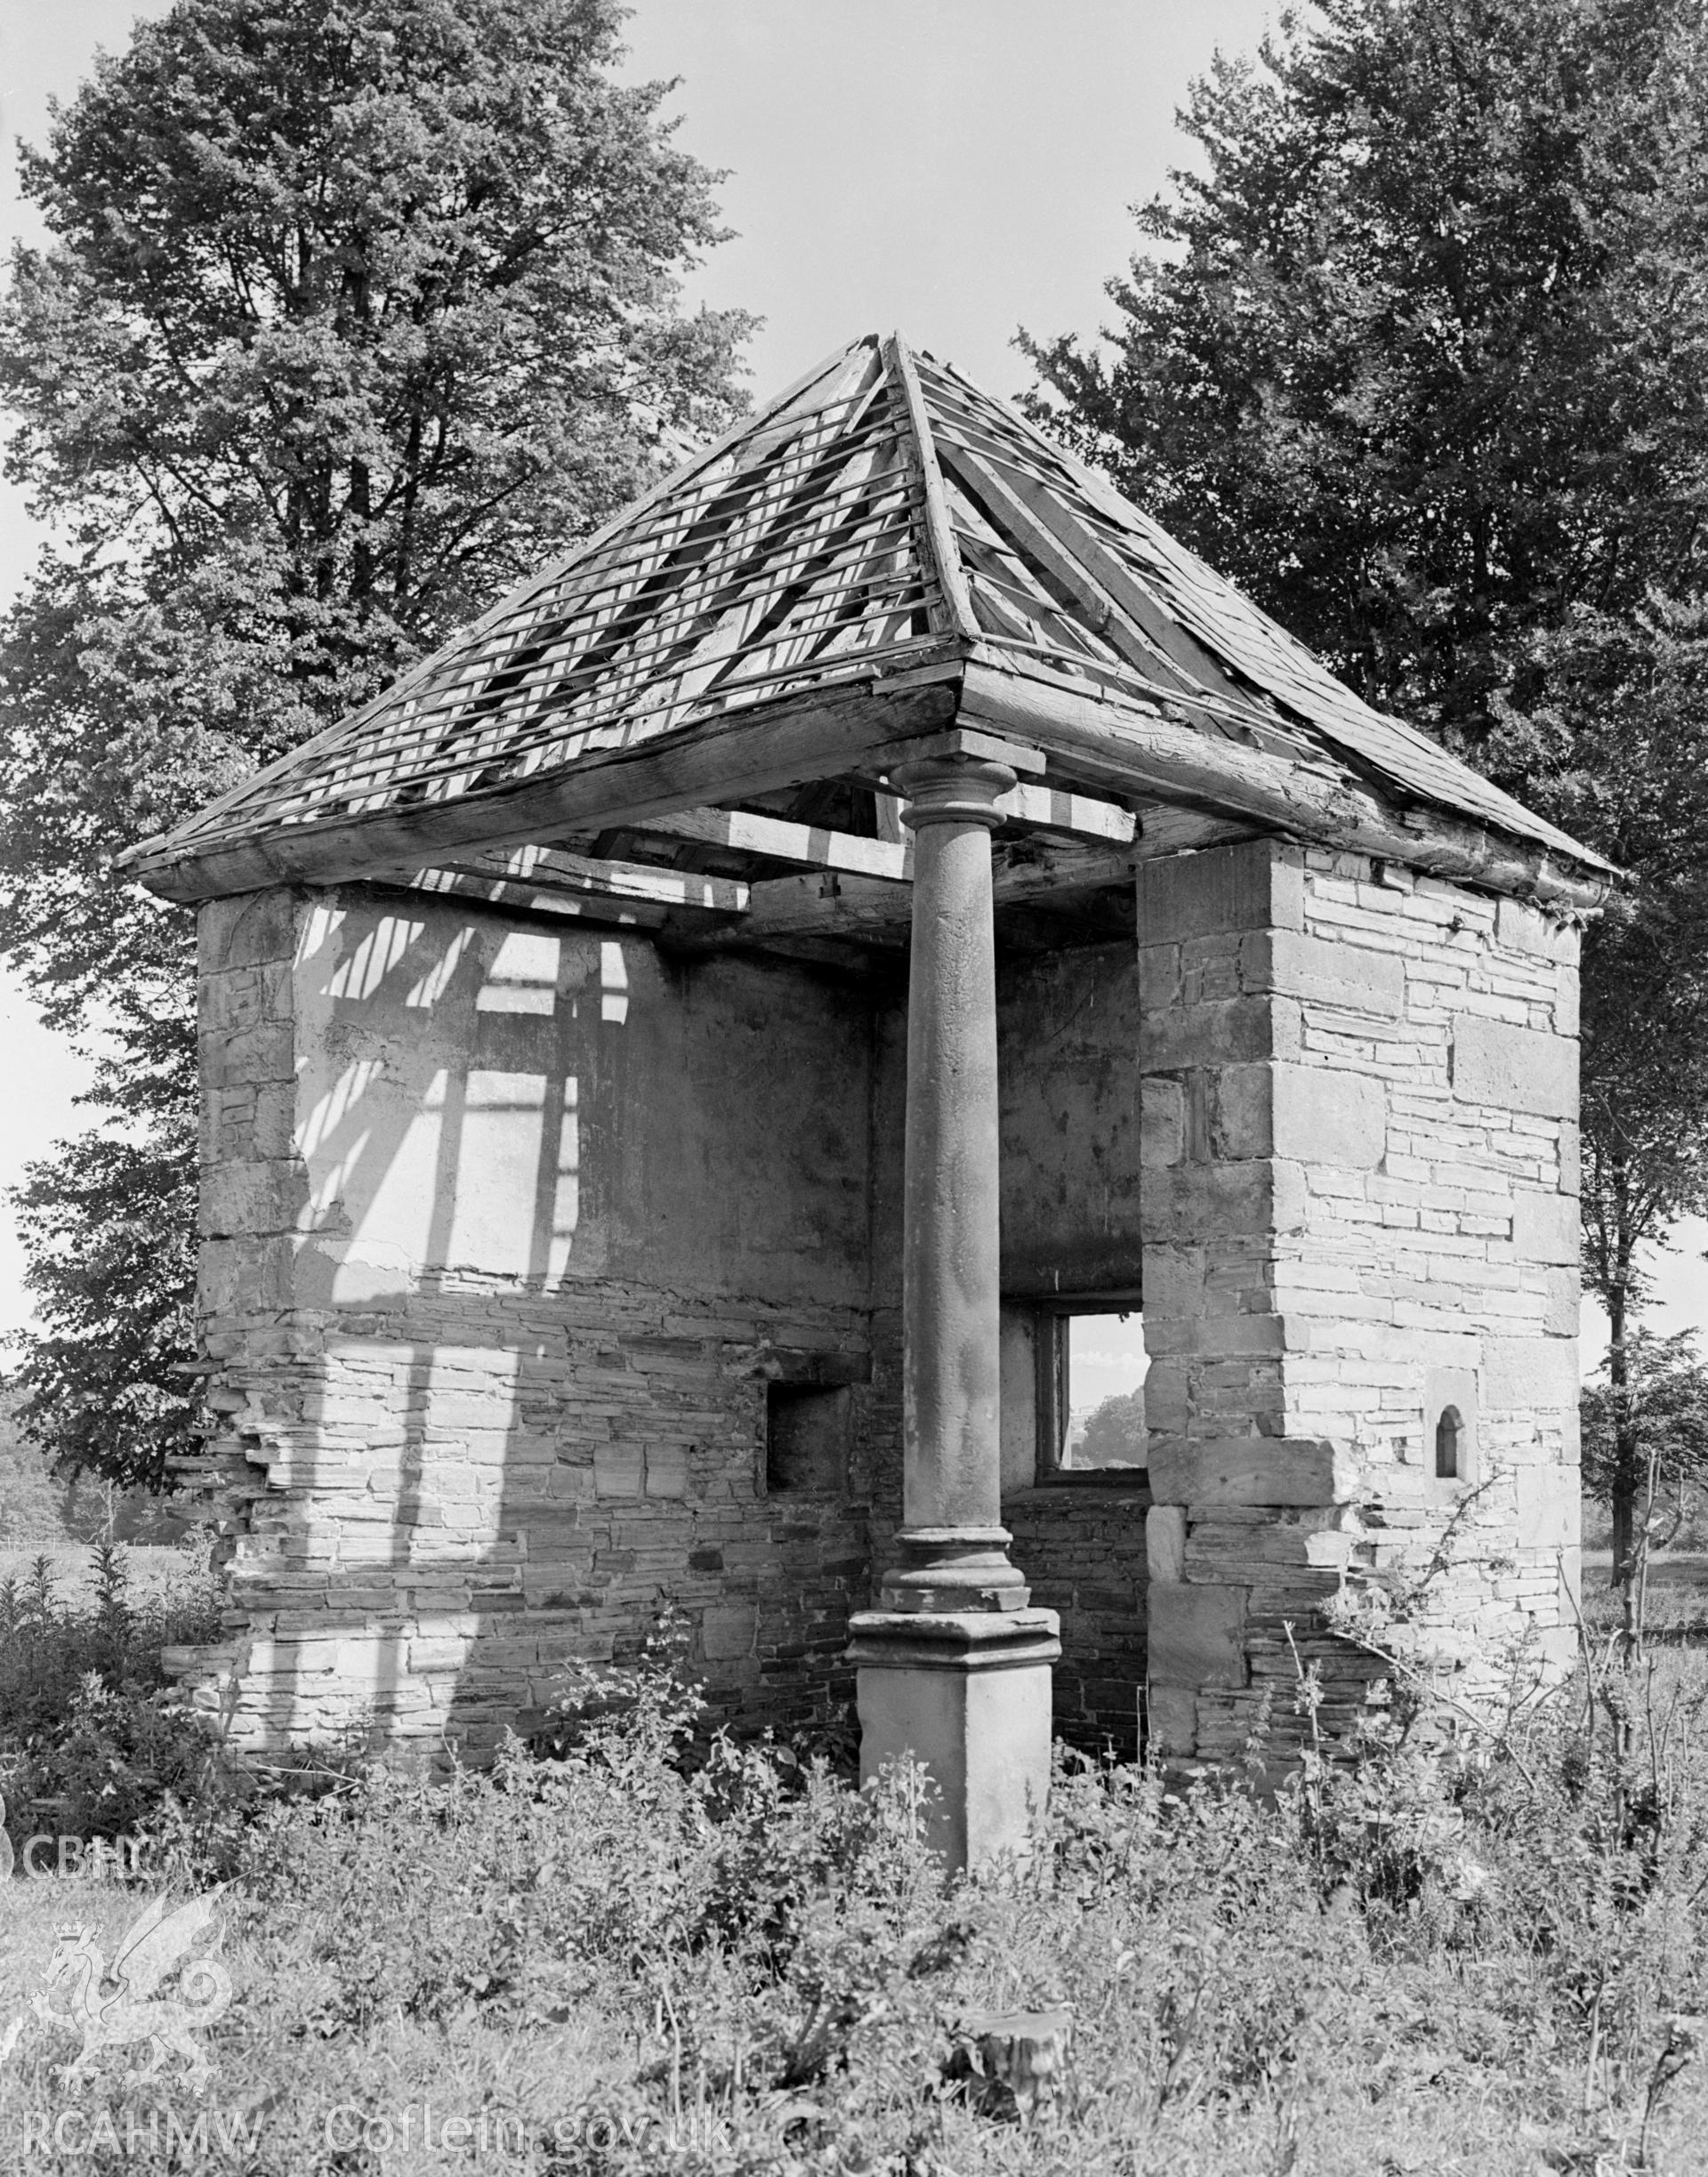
{"x": 945, "y": 1570}
{"x": 968, "y": 1695}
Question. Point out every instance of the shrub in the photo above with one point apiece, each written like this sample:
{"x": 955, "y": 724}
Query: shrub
{"x": 87, "y": 1719}
{"x": 1447, "y": 1950}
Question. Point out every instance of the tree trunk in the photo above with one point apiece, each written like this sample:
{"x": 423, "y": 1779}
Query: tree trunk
{"x": 1627, "y": 1467}
{"x": 1630, "y": 1476}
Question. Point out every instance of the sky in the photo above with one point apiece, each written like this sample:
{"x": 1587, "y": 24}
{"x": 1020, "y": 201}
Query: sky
{"x": 953, "y": 168}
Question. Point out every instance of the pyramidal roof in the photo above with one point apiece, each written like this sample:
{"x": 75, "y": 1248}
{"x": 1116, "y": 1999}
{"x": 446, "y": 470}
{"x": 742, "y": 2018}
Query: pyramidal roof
{"x": 881, "y": 528}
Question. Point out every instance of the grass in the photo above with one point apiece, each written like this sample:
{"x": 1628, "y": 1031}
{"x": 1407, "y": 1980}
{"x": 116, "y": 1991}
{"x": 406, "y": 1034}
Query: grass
{"x": 660, "y": 1953}
{"x": 1678, "y": 1593}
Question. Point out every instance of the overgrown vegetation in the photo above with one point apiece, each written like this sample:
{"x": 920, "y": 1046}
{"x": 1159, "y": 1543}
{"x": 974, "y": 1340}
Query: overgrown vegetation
{"x": 657, "y": 1950}
{"x": 91, "y": 1742}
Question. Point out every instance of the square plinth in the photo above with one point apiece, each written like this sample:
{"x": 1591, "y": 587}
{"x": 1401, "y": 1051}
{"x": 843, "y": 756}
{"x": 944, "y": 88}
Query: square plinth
{"x": 968, "y": 1696}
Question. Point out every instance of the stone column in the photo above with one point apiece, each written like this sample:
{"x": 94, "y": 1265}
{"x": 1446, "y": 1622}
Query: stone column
{"x": 954, "y": 1667}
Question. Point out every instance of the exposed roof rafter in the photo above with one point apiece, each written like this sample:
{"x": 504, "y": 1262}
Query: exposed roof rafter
{"x": 880, "y": 551}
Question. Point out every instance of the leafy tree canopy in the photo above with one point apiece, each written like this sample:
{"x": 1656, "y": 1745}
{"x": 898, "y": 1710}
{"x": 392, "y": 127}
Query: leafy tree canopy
{"x": 1420, "y": 357}
{"x": 1418, "y": 360}
{"x": 1114, "y": 1432}
{"x": 354, "y": 311}
{"x": 1658, "y": 1416}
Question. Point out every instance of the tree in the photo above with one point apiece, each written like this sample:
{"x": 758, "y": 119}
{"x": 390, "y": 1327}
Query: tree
{"x": 1114, "y": 1432}
{"x": 1659, "y": 1415}
{"x": 1420, "y": 363}
{"x": 1646, "y": 1433}
{"x": 354, "y": 311}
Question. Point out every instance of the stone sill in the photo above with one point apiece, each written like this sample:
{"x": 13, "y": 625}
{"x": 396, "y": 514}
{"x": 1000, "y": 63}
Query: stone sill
{"x": 1106, "y": 1488}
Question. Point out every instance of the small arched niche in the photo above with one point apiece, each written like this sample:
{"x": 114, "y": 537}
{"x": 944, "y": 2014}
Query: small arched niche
{"x": 1449, "y": 1446}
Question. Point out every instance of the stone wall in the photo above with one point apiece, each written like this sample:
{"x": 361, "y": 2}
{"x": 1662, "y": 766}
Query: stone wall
{"x": 1082, "y": 1547}
{"x": 508, "y": 1227}
{"x": 507, "y": 1230}
{"x": 1360, "y": 1180}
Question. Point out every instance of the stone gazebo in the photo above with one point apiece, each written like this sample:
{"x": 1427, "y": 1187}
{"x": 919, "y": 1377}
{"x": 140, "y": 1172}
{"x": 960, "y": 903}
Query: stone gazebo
{"x": 883, "y": 776}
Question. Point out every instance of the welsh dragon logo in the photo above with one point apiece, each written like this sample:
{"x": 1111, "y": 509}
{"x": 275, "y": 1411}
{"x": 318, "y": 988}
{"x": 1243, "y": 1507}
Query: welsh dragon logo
{"x": 159, "y": 1944}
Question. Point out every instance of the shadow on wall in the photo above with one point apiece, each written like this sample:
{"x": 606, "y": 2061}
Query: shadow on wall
{"x": 560, "y": 1211}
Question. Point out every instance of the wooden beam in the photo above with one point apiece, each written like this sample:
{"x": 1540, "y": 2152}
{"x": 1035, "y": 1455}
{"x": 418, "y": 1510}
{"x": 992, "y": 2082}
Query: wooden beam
{"x": 869, "y": 910}
{"x": 1132, "y": 622}
{"x": 919, "y": 451}
{"x": 810, "y": 846}
{"x": 603, "y": 911}
{"x": 1042, "y": 869}
{"x": 749, "y": 752}
{"x": 1165, "y": 831}
{"x": 556, "y": 869}
{"x": 1022, "y": 758}
{"x": 874, "y": 911}
{"x": 1121, "y": 746}
{"x": 1026, "y": 806}
{"x": 547, "y": 881}
{"x": 1070, "y": 816}
{"x": 1062, "y": 573}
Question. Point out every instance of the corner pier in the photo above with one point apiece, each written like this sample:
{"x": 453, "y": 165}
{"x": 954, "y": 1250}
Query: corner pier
{"x": 954, "y": 1667}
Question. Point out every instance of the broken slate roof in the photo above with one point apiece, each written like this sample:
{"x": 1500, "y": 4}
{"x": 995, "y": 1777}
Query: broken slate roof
{"x": 880, "y": 522}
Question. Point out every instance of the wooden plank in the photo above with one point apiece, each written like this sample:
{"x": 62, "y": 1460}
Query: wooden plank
{"x": 775, "y": 839}
{"x": 1062, "y": 576}
{"x": 1186, "y": 831}
{"x": 747, "y": 753}
{"x": 555, "y": 869}
{"x": 920, "y": 449}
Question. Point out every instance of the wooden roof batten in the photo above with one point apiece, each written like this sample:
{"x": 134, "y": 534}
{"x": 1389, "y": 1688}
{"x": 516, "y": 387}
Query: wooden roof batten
{"x": 882, "y": 561}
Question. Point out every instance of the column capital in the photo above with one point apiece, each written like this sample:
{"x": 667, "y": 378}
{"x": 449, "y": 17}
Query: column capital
{"x": 952, "y": 790}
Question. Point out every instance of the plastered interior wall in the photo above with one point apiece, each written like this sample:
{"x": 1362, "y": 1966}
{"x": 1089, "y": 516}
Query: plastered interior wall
{"x": 1360, "y": 1189}
{"x": 507, "y": 1228}
{"x": 1068, "y": 1075}
{"x": 1068, "y": 1047}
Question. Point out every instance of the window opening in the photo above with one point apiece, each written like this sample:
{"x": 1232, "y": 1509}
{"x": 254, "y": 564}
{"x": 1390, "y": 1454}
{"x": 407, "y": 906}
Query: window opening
{"x": 1091, "y": 1370}
{"x": 1448, "y": 1432}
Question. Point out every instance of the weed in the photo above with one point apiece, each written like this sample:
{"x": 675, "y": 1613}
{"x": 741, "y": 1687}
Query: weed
{"x": 641, "y": 1943}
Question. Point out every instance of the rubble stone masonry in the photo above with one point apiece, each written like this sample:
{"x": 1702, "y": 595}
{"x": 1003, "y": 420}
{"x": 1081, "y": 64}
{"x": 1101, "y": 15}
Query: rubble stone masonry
{"x": 512, "y": 1230}
{"x": 506, "y": 1233}
{"x": 513, "y": 1233}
